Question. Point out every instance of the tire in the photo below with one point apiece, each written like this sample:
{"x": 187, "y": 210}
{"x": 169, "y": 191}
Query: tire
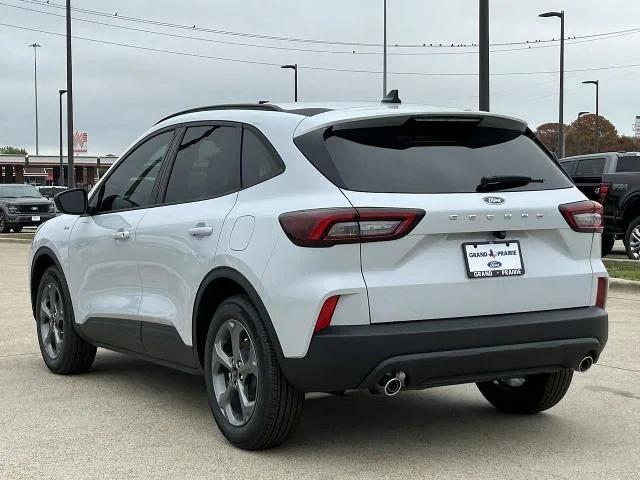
{"x": 607, "y": 244}
{"x": 632, "y": 239}
{"x": 276, "y": 406}
{"x": 16, "y": 229}
{"x": 4, "y": 228}
{"x": 62, "y": 349}
{"x": 537, "y": 393}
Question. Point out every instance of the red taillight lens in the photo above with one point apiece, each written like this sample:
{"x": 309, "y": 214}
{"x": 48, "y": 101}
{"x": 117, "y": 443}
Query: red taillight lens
{"x": 601, "y": 294}
{"x": 325, "y": 227}
{"x": 326, "y": 313}
{"x": 583, "y": 216}
{"x": 603, "y": 192}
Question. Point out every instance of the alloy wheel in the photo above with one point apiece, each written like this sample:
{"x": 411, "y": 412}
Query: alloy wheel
{"x": 235, "y": 372}
{"x": 516, "y": 382}
{"x": 634, "y": 242}
{"x": 52, "y": 320}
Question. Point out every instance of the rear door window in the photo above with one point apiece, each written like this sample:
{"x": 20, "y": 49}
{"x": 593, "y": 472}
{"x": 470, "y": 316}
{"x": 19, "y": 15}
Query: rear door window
{"x": 207, "y": 164}
{"x": 590, "y": 166}
{"x": 428, "y": 156}
{"x": 629, "y": 164}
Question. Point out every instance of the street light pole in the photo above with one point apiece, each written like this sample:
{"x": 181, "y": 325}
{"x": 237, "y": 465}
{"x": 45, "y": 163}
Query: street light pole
{"x": 560, "y": 15}
{"x": 597, "y": 84}
{"x": 61, "y": 178}
{"x": 35, "y": 86}
{"x": 294, "y": 67}
{"x": 384, "y": 53}
{"x": 484, "y": 56}
{"x": 71, "y": 180}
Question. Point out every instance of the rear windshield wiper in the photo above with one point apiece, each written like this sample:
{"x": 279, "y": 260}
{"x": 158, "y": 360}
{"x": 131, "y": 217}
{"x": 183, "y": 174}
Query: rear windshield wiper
{"x": 492, "y": 184}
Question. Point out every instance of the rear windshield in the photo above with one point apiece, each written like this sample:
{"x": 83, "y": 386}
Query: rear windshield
{"x": 428, "y": 156}
{"x": 629, "y": 163}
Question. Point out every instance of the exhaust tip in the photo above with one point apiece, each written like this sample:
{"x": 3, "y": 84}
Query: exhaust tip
{"x": 392, "y": 387}
{"x": 585, "y": 364}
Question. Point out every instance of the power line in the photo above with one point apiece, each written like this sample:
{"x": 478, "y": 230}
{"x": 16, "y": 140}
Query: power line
{"x": 310, "y": 67}
{"x": 528, "y": 43}
{"x": 532, "y": 46}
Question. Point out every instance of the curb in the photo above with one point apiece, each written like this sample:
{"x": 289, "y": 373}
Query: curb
{"x": 26, "y": 241}
{"x": 621, "y": 285}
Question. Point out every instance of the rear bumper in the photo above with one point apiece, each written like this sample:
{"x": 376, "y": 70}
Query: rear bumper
{"x": 449, "y": 351}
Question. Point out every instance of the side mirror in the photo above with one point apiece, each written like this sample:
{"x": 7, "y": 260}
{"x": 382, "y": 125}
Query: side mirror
{"x": 72, "y": 202}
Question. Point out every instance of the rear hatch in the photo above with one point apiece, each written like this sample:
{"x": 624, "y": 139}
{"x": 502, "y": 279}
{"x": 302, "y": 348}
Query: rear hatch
{"x": 479, "y": 250}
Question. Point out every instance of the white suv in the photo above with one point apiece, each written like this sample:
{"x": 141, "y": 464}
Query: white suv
{"x": 287, "y": 249}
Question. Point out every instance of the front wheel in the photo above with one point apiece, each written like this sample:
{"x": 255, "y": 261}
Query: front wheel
{"x": 526, "y": 395}
{"x": 252, "y": 402}
{"x": 63, "y": 351}
{"x": 608, "y": 241}
{"x": 632, "y": 239}
{"x": 4, "y": 227}
{"x": 16, "y": 229}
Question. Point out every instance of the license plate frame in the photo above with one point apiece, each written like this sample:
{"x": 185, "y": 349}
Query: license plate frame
{"x": 494, "y": 272}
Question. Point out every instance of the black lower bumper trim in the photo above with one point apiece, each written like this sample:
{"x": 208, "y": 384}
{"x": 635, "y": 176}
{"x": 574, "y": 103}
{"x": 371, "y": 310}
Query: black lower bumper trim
{"x": 449, "y": 351}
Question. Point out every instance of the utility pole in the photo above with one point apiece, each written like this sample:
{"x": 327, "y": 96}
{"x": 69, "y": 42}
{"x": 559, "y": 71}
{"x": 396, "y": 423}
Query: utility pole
{"x": 384, "y": 53}
{"x": 560, "y": 15}
{"x": 61, "y": 178}
{"x": 70, "y": 164}
{"x": 35, "y": 86}
{"x": 294, "y": 67}
{"x": 484, "y": 56}
{"x": 597, "y": 84}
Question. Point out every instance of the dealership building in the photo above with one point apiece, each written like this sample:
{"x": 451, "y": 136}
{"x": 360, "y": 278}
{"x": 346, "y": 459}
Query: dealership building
{"x": 45, "y": 169}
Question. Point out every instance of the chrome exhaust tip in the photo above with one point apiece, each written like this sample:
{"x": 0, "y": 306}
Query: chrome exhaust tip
{"x": 391, "y": 385}
{"x": 585, "y": 364}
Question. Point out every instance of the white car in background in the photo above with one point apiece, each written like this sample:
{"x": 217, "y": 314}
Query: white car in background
{"x": 284, "y": 249}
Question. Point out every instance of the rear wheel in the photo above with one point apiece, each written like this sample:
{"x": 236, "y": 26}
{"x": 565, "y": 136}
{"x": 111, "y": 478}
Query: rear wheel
{"x": 250, "y": 398}
{"x": 4, "y": 228}
{"x": 16, "y": 229}
{"x": 632, "y": 239}
{"x": 607, "y": 244}
{"x": 63, "y": 351}
{"x": 526, "y": 395}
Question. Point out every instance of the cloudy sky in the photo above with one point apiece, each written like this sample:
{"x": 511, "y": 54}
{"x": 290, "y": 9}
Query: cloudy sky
{"x": 121, "y": 91}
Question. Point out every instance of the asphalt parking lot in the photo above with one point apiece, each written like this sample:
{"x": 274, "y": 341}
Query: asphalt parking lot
{"x": 131, "y": 419}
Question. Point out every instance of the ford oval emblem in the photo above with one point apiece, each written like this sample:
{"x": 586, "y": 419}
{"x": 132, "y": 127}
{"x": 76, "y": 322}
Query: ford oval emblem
{"x": 493, "y": 200}
{"x": 494, "y": 264}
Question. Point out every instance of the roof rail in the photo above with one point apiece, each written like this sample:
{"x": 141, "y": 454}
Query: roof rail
{"x": 229, "y": 106}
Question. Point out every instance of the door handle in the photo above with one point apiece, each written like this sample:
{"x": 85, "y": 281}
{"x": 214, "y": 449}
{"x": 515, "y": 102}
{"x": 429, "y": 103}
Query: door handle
{"x": 200, "y": 231}
{"x": 121, "y": 235}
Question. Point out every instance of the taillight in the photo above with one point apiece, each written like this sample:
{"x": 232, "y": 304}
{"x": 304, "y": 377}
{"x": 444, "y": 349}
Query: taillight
{"x": 601, "y": 294}
{"x": 603, "y": 192}
{"x": 325, "y": 227}
{"x": 583, "y": 216}
{"x": 326, "y": 313}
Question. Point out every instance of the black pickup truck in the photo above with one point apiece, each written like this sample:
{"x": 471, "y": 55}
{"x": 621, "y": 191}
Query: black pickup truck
{"x": 22, "y": 206}
{"x": 613, "y": 179}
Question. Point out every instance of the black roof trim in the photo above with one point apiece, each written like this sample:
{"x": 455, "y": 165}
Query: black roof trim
{"x": 308, "y": 112}
{"x": 230, "y": 106}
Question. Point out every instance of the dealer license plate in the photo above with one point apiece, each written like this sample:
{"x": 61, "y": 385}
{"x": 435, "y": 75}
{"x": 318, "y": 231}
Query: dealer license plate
{"x": 35, "y": 219}
{"x": 493, "y": 259}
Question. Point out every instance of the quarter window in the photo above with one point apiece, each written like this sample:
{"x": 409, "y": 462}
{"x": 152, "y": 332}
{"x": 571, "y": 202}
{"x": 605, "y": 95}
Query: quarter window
{"x": 131, "y": 184}
{"x": 259, "y": 161}
{"x": 207, "y": 164}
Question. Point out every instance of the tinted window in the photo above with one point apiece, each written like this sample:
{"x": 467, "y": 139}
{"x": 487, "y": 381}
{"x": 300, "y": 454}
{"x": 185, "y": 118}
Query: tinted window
{"x": 629, "y": 163}
{"x": 259, "y": 161}
{"x": 131, "y": 184}
{"x": 425, "y": 156}
{"x": 567, "y": 165}
{"x": 207, "y": 164}
{"x": 590, "y": 166}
